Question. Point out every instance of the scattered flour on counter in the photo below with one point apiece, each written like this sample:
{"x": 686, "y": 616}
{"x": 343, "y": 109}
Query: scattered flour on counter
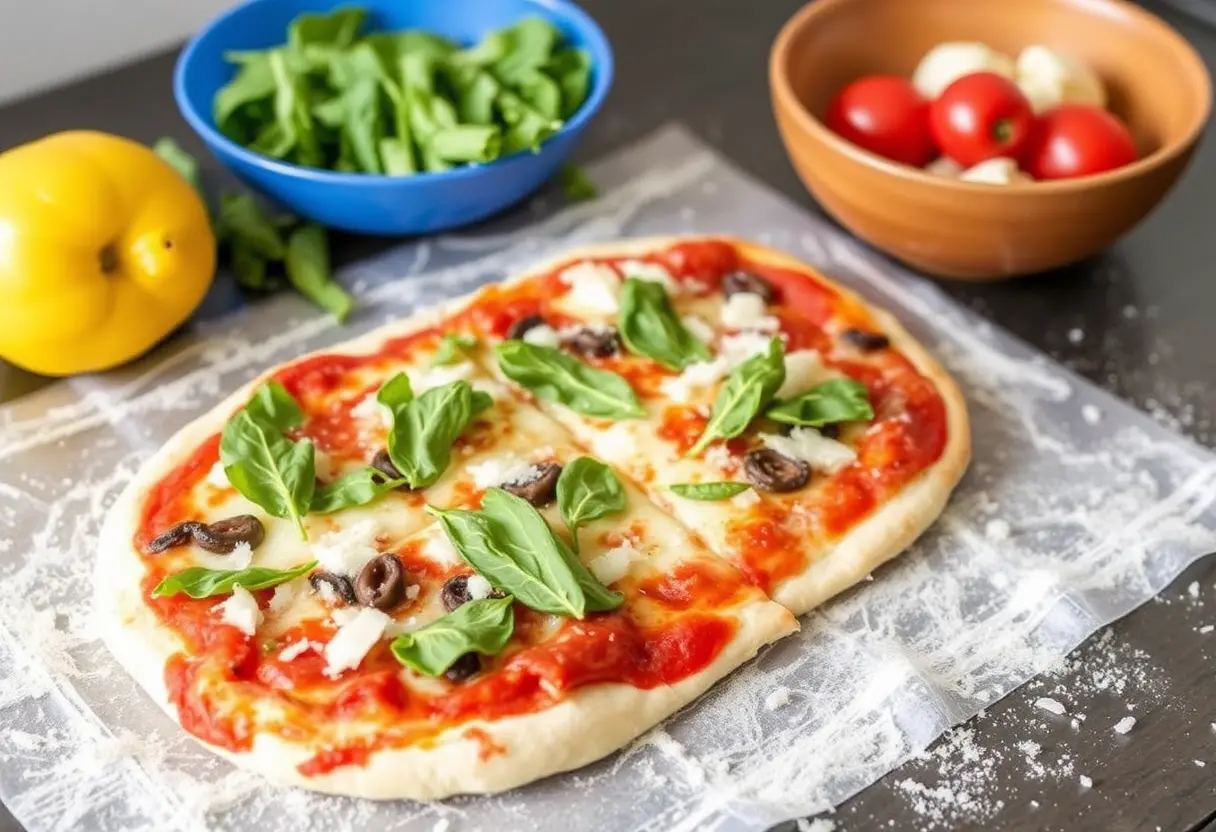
{"x": 1091, "y": 414}
{"x": 1050, "y": 705}
{"x": 780, "y": 697}
{"x": 997, "y": 530}
{"x": 1086, "y": 782}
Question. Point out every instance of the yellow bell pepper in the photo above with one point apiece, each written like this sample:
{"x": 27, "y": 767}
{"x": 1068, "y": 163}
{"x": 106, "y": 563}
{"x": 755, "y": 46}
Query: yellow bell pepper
{"x": 104, "y": 250}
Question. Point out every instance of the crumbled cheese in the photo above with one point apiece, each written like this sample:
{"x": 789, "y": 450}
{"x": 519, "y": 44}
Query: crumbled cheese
{"x": 745, "y": 499}
{"x": 295, "y": 650}
{"x": 498, "y": 470}
{"x": 719, "y": 456}
{"x": 1050, "y": 705}
{"x": 1125, "y": 725}
{"x": 324, "y": 467}
{"x": 593, "y": 290}
{"x": 240, "y": 557}
{"x": 651, "y": 272}
{"x": 803, "y": 370}
{"x": 478, "y": 587}
{"x": 699, "y": 328}
{"x": 812, "y": 447}
{"x": 747, "y": 310}
{"x": 240, "y": 610}
{"x": 543, "y": 336}
{"x": 777, "y": 698}
{"x": 436, "y": 547}
{"x": 412, "y": 591}
{"x": 699, "y": 376}
{"x": 284, "y": 595}
{"x": 371, "y": 411}
{"x": 738, "y": 348}
{"x": 423, "y": 380}
{"x": 617, "y": 442}
{"x": 348, "y": 550}
{"x": 613, "y": 565}
{"x": 353, "y": 640}
{"x": 217, "y": 477}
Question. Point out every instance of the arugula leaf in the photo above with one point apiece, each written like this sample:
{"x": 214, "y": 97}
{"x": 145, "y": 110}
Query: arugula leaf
{"x": 354, "y": 489}
{"x": 555, "y": 376}
{"x": 650, "y": 327}
{"x": 309, "y": 271}
{"x": 708, "y": 491}
{"x": 181, "y": 161}
{"x": 424, "y": 428}
{"x": 482, "y": 625}
{"x": 746, "y": 392}
{"x": 198, "y": 582}
{"x": 242, "y": 220}
{"x": 837, "y": 400}
{"x": 576, "y": 186}
{"x": 510, "y": 543}
{"x": 587, "y": 490}
{"x": 451, "y": 349}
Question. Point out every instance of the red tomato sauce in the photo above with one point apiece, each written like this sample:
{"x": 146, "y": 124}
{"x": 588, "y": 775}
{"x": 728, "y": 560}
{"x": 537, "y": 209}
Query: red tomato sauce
{"x": 708, "y": 584}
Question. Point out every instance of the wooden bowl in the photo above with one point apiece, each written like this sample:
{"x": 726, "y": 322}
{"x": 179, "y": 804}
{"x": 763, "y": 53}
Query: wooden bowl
{"x": 1154, "y": 79}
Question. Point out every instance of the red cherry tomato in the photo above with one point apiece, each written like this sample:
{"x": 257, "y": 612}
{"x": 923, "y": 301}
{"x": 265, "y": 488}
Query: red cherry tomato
{"x": 980, "y": 117}
{"x": 1077, "y": 140}
{"x": 885, "y": 115}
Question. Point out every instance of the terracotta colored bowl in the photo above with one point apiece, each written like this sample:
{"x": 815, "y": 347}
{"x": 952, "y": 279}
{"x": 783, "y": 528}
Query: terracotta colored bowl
{"x": 1155, "y": 81}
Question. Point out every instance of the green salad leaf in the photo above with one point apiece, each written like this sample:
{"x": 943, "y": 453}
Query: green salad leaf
{"x": 198, "y": 582}
{"x": 837, "y": 400}
{"x": 650, "y": 326}
{"x": 747, "y": 391}
{"x": 481, "y": 625}
{"x": 587, "y": 490}
{"x": 556, "y": 376}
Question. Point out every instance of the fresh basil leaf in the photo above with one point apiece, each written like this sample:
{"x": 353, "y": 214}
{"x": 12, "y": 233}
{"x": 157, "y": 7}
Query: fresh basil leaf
{"x": 527, "y": 128}
{"x": 482, "y": 625}
{"x": 262, "y": 464}
{"x": 587, "y": 490}
{"x": 451, "y": 349}
{"x": 234, "y": 106}
{"x": 354, "y": 489}
{"x": 509, "y": 542}
{"x": 747, "y": 391}
{"x": 198, "y": 582}
{"x": 531, "y": 41}
{"x": 572, "y": 69}
{"x": 650, "y": 327}
{"x": 250, "y": 268}
{"x": 837, "y": 400}
{"x": 312, "y": 36}
{"x": 555, "y": 376}
{"x": 476, "y": 91}
{"x": 309, "y": 271}
{"x": 241, "y": 219}
{"x": 424, "y": 429}
{"x": 708, "y": 491}
{"x": 178, "y": 159}
{"x": 576, "y": 187}
{"x": 542, "y": 93}
{"x": 398, "y": 156}
{"x": 396, "y": 392}
{"x": 292, "y": 114}
{"x": 467, "y": 143}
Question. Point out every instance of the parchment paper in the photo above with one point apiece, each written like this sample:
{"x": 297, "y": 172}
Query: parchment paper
{"x": 1076, "y": 509}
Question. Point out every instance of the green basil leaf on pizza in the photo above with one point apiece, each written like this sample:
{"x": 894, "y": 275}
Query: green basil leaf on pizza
{"x": 425, "y": 428}
{"x": 354, "y": 489}
{"x": 650, "y": 326}
{"x": 481, "y": 625}
{"x": 199, "y": 582}
{"x": 838, "y": 400}
{"x": 452, "y": 350}
{"x": 708, "y": 491}
{"x": 744, "y": 395}
{"x": 587, "y": 490}
{"x": 556, "y": 376}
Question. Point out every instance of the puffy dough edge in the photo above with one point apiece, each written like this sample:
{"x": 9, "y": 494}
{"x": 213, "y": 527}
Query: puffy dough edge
{"x": 589, "y": 724}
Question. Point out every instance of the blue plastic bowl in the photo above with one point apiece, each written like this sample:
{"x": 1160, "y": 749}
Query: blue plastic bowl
{"x": 376, "y": 204}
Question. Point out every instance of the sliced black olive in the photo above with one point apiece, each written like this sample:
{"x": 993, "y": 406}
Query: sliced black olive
{"x": 223, "y": 536}
{"x": 593, "y": 342}
{"x": 737, "y": 282}
{"x": 830, "y": 431}
{"x": 538, "y": 486}
{"x": 179, "y": 535}
{"x": 340, "y": 584}
{"x": 455, "y": 593}
{"x": 381, "y": 583}
{"x": 521, "y": 327}
{"x": 866, "y": 341}
{"x": 769, "y": 470}
{"x": 383, "y": 463}
{"x": 466, "y": 667}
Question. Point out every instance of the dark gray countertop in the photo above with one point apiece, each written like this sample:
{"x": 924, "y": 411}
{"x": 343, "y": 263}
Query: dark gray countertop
{"x": 1137, "y": 320}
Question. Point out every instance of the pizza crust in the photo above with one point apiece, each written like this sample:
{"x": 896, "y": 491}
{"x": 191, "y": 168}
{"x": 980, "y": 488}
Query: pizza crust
{"x": 591, "y": 722}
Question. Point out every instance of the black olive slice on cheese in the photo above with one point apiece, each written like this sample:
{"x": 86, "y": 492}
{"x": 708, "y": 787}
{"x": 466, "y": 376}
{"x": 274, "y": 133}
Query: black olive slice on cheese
{"x": 769, "y": 470}
{"x": 538, "y": 486}
{"x": 339, "y": 585}
{"x": 865, "y": 340}
{"x": 380, "y": 583}
{"x": 741, "y": 281}
{"x": 220, "y": 538}
{"x": 383, "y": 463}
{"x": 466, "y": 667}
{"x": 520, "y": 328}
{"x": 593, "y": 342}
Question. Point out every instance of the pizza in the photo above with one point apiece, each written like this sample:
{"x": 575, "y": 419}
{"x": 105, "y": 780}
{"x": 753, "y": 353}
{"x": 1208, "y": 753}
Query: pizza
{"x": 503, "y": 538}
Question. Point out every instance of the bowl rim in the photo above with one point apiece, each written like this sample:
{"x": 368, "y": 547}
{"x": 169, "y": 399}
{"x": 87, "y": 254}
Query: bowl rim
{"x": 603, "y": 72}
{"x": 786, "y": 98}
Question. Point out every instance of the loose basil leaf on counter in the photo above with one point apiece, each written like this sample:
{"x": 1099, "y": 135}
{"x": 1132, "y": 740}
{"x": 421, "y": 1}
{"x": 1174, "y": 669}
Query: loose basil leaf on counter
{"x": 837, "y": 400}
{"x": 576, "y": 186}
{"x": 309, "y": 271}
{"x": 482, "y": 625}
{"x": 451, "y": 349}
{"x": 587, "y": 490}
{"x": 708, "y": 491}
{"x": 650, "y": 327}
{"x": 241, "y": 219}
{"x": 424, "y": 428}
{"x": 354, "y": 489}
{"x": 199, "y": 582}
{"x": 262, "y": 464}
{"x": 509, "y": 542}
{"x": 556, "y": 376}
{"x": 177, "y": 158}
{"x": 747, "y": 391}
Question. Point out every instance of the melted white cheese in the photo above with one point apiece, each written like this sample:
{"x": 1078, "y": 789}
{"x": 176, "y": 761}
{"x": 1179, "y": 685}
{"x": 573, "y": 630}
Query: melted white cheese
{"x": 695, "y": 377}
{"x": 745, "y": 499}
{"x": 613, "y": 565}
{"x": 355, "y": 637}
{"x": 240, "y": 557}
{"x": 747, "y": 310}
{"x": 543, "y": 336}
{"x": 284, "y": 595}
{"x": 497, "y": 470}
{"x": 437, "y": 548}
{"x": 348, "y": 550}
{"x": 372, "y": 412}
{"x": 240, "y": 610}
{"x": 741, "y": 346}
{"x": 423, "y": 380}
{"x": 812, "y": 447}
{"x": 651, "y": 272}
{"x": 803, "y": 370}
{"x": 217, "y": 477}
{"x": 699, "y": 327}
{"x": 593, "y": 291}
